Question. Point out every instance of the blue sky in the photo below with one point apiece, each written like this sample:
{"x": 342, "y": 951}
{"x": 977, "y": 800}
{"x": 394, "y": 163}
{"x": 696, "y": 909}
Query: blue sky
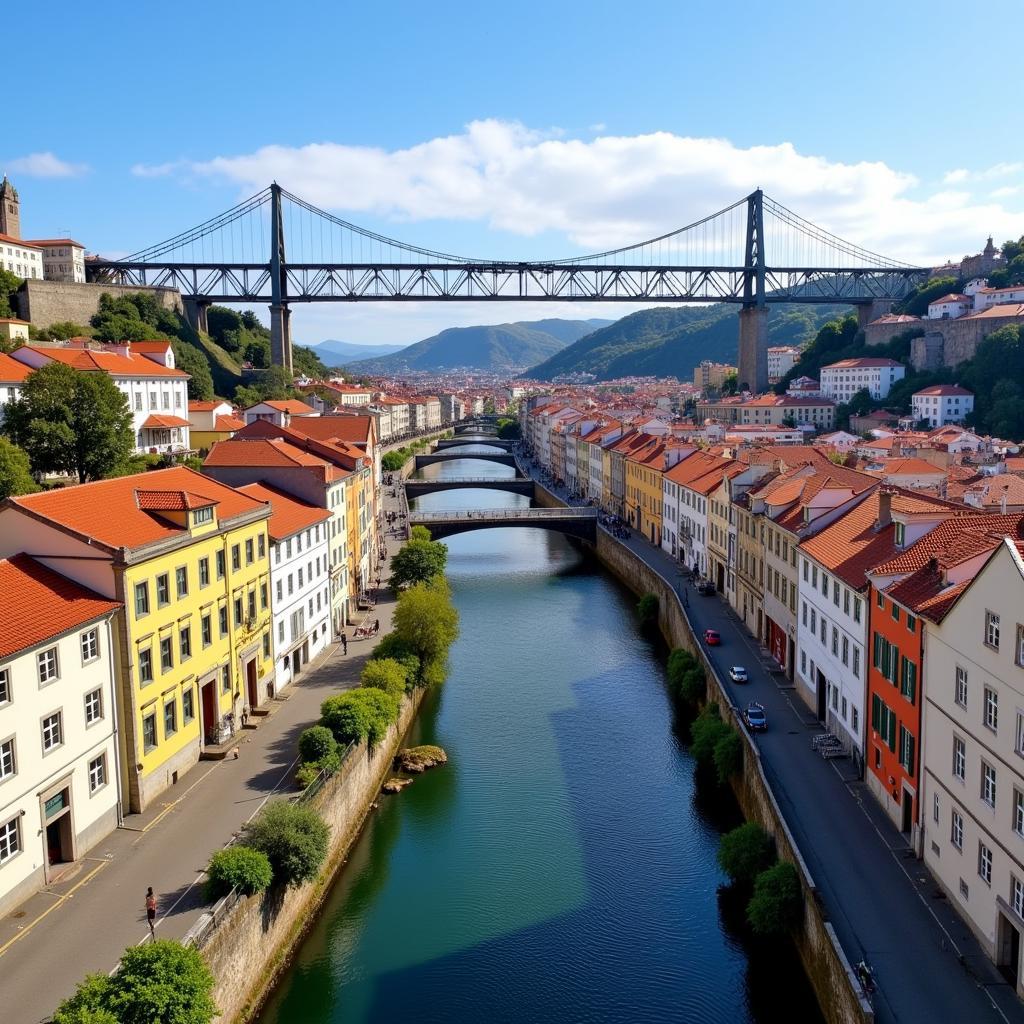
{"x": 522, "y": 130}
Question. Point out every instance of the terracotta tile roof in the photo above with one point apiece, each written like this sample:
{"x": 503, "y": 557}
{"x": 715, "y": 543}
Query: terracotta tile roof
{"x": 289, "y": 515}
{"x": 290, "y": 405}
{"x": 269, "y": 451}
{"x": 53, "y": 241}
{"x": 862, "y": 362}
{"x": 11, "y": 371}
{"x": 171, "y": 501}
{"x": 990, "y": 490}
{"x": 926, "y": 592}
{"x": 951, "y": 297}
{"x": 953, "y": 542}
{"x": 37, "y": 604}
{"x": 11, "y": 240}
{"x": 107, "y": 511}
{"x": 703, "y": 472}
{"x": 355, "y": 429}
{"x": 151, "y": 345}
{"x": 852, "y": 546}
{"x": 198, "y": 406}
{"x": 156, "y": 422}
{"x": 943, "y": 389}
{"x": 14, "y": 320}
{"x": 1010, "y": 309}
{"x": 912, "y": 466}
{"x": 109, "y": 362}
{"x": 226, "y": 423}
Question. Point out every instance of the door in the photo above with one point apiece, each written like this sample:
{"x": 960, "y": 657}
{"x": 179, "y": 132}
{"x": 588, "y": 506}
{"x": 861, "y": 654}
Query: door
{"x": 1008, "y": 950}
{"x": 908, "y": 812}
{"x": 54, "y": 853}
{"x": 822, "y": 697}
{"x": 296, "y": 663}
{"x": 250, "y": 682}
{"x": 208, "y": 702}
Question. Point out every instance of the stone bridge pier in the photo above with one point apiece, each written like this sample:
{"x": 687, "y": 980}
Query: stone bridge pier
{"x": 752, "y": 366}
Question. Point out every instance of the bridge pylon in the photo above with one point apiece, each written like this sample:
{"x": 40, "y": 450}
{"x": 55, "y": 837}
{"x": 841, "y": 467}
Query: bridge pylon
{"x": 280, "y": 314}
{"x": 752, "y": 365}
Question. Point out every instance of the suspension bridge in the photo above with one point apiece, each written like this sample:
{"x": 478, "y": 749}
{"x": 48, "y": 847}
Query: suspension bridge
{"x": 753, "y": 253}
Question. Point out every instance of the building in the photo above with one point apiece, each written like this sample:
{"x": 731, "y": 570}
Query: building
{"x": 781, "y": 359}
{"x": 709, "y": 376}
{"x": 841, "y": 381}
{"x": 280, "y": 413}
{"x": 780, "y": 410}
{"x": 58, "y": 725}
{"x": 645, "y": 466}
{"x": 686, "y": 488}
{"x": 941, "y": 404}
{"x": 950, "y": 306}
{"x": 13, "y": 333}
{"x": 63, "y": 259}
{"x": 12, "y": 379}
{"x": 187, "y": 557}
{"x": 52, "y": 259}
{"x": 210, "y": 422}
{"x": 300, "y": 579}
{"x": 20, "y": 258}
{"x": 972, "y": 806}
{"x": 10, "y": 210}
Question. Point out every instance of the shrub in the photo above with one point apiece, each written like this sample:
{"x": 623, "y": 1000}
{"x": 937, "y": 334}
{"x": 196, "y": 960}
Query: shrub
{"x": 316, "y": 743}
{"x": 419, "y": 561}
{"x": 240, "y": 866}
{"x": 706, "y": 730}
{"x": 728, "y": 755}
{"x": 392, "y": 647}
{"x": 647, "y": 609}
{"x": 307, "y": 773}
{"x": 160, "y": 982}
{"x": 359, "y": 714}
{"x": 427, "y": 623}
{"x": 392, "y": 462}
{"x": 777, "y": 906}
{"x": 419, "y": 533}
{"x": 695, "y": 685}
{"x": 293, "y": 837}
{"x": 386, "y": 674}
{"x": 679, "y": 663}
{"x": 745, "y": 852}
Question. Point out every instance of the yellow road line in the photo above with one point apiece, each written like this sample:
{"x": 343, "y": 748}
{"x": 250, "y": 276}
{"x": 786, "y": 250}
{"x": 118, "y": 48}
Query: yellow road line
{"x": 78, "y": 885}
{"x": 174, "y": 803}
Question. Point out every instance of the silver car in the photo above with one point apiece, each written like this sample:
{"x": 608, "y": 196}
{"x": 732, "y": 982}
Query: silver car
{"x": 738, "y": 674}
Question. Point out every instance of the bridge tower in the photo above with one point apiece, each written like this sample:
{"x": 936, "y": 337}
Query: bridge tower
{"x": 753, "y": 343}
{"x": 280, "y": 314}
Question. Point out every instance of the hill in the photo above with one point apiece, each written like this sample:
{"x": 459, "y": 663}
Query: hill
{"x": 671, "y": 341}
{"x": 501, "y": 348}
{"x": 336, "y": 353}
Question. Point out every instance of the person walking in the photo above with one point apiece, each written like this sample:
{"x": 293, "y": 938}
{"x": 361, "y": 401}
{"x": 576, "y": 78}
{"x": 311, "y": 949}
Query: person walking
{"x": 151, "y": 912}
{"x": 344, "y": 644}
{"x": 376, "y": 625}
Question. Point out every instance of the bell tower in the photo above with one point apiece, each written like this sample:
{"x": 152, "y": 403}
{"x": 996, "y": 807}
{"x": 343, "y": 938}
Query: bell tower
{"x": 10, "y": 210}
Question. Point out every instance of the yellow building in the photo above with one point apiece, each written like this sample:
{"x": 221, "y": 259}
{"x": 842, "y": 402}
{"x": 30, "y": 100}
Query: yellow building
{"x": 644, "y": 488}
{"x": 210, "y": 422}
{"x": 187, "y": 557}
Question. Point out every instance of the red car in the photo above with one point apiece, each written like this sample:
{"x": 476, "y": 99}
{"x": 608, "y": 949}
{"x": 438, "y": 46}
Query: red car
{"x": 711, "y": 637}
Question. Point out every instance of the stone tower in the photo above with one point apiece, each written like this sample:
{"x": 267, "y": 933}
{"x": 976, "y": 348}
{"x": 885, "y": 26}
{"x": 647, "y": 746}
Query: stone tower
{"x": 10, "y": 210}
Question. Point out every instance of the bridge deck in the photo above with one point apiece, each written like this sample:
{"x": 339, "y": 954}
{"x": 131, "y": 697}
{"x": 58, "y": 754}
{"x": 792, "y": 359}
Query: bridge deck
{"x": 577, "y": 522}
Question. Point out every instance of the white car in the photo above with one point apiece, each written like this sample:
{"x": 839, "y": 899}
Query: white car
{"x": 738, "y": 674}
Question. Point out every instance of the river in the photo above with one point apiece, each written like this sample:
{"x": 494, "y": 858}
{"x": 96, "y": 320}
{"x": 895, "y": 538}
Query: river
{"x": 561, "y": 867}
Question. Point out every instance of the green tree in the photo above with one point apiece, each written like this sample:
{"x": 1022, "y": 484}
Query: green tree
{"x": 745, "y": 852}
{"x": 64, "y": 329}
{"x": 9, "y": 284}
{"x": 385, "y": 674}
{"x": 359, "y": 715}
{"x": 418, "y": 562}
{"x": 239, "y": 867}
{"x": 509, "y": 429}
{"x": 705, "y": 731}
{"x": 193, "y": 362}
{"x": 916, "y": 303}
{"x": 392, "y": 462}
{"x": 293, "y": 837}
{"x": 419, "y": 533}
{"x": 316, "y": 743}
{"x": 428, "y": 624}
{"x": 273, "y": 384}
{"x": 730, "y": 384}
{"x": 161, "y": 982}
{"x": 647, "y": 610}
{"x": 71, "y": 422}
{"x": 307, "y": 363}
{"x": 728, "y": 755}
{"x": 15, "y": 471}
{"x": 777, "y": 906}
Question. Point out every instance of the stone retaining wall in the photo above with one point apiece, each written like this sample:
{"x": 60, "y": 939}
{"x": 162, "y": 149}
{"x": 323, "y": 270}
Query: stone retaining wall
{"x": 253, "y": 945}
{"x": 49, "y": 302}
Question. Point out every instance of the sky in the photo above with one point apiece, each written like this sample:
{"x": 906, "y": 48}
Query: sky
{"x": 526, "y": 131}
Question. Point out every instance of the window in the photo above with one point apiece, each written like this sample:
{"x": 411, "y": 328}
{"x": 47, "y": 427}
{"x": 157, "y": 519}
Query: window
{"x": 856, "y": 609}
{"x": 261, "y": 545}
{"x": 988, "y": 784}
{"x": 220, "y": 565}
{"x": 163, "y": 590}
{"x": 236, "y": 557}
{"x": 5, "y": 686}
{"x": 97, "y": 773}
{"x": 956, "y": 830}
{"x": 908, "y": 679}
{"x": 881, "y": 600}
{"x": 10, "y": 839}
{"x": 202, "y": 515}
{"x": 170, "y": 718}
{"x": 846, "y": 601}
{"x": 901, "y": 534}
{"x": 166, "y": 655}
{"x": 249, "y": 552}
{"x": 1018, "y": 812}
{"x": 188, "y": 705}
{"x": 238, "y": 611}
{"x": 225, "y": 683}
{"x": 959, "y": 759}
{"x": 149, "y": 731}
{"x": 961, "y": 686}
{"x": 991, "y": 706}
{"x": 883, "y": 721}
{"x": 911, "y": 623}
{"x": 53, "y": 731}
{"x": 835, "y": 641}
{"x": 266, "y": 645}
{"x": 814, "y": 621}
{"x": 846, "y": 650}
{"x": 252, "y": 603}
{"x": 8, "y": 763}
{"x": 145, "y": 665}
{"x": 185, "y": 642}
{"x": 181, "y": 581}
{"x": 935, "y": 808}
{"x": 90, "y": 645}
{"x": 985, "y": 863}
{"x": 46, "y": 664}
{"x": 1017, "y": 895}
{"x": 263, "y": 596}
{"x": 222, "y": 615}
{"x": 907, "y": 751}
{"x": 992, "y": 629}
{"x": 141, "y": 599}
{"x": 894, "y": 609}
{"x": 204, "y": 572}
{"x": 280, "y": 591}
{"x": 856, "y": 661}
{"x": 93, "y": 706}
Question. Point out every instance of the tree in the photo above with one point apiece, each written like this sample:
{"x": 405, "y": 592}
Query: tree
{"x": 730, "y": 384}
{"x": 71, "y": 421}
{"x": 385, "y": 674}
{"x": 358, "y": 715}
{"x": 776, "y": 907}
{"x": 15, "y": 471}
{"x": 316, "y": 743}
{"x": 428, "y": 624}
{"x": 705, "y": 731}
{"x": 273, "y": 384}
{"x": 160, "y": 982}
{"x": 647, "y": 610}
{"x": 745, "y": 852}
{"x": 239, "y": 867}
{"x": 195, "y": 364}
{"x": 9, "y": 284}
{"x": 418, "y": 562}
{"x": 419, "y": 533}
{"x": 293, "y": 837}
{"x": 728, "y": 755}
{"x": 509, "y": 429}
{"x": 62, "y": 330}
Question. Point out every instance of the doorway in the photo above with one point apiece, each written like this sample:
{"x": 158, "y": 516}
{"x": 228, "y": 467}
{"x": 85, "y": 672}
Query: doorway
{"x": 252, "y": 688}
{"x": 822, "y": 696}
{"x": 208, "y": 707}
{"x": 1008, "y": 948}
{"x": 908, "y": 812}
{"x": 296, "y": 662}
{"x": 58, "y": 837}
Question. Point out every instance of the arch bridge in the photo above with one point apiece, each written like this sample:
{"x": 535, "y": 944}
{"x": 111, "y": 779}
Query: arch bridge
{"x": 455, "y": 442}
{"x": 580, "y": 523}
{"x": 450, "y": 456}
{"x": 512, "y": 485}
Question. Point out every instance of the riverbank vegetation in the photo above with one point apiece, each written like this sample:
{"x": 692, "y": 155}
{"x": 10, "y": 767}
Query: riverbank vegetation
{"x": 394, "y": 460}
{"x": 686, "y": 677}
{"x": 238, "y": 867}
{"x": 418, "y": 561}
{"x": 293, "y": 838}
{"x": 647, "y": 611}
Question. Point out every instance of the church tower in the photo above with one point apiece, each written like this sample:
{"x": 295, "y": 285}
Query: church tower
{"x": 10, "y": 210}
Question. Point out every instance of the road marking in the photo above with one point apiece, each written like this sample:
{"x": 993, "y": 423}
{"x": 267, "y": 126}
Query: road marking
{"x": 53, "y": 906}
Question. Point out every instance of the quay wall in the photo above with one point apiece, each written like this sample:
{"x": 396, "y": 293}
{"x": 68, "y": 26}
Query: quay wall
{"x": 49, "y": 302}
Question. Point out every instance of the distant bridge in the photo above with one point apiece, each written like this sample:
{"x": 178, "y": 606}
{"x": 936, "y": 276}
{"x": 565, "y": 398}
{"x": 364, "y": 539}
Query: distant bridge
{"x": 457, "y": 442}
{"x": 476, "y": 427}
{"x": 450, "y": 456}
{"x": 754, "y": 252}
{"x": 513, "y": 485}
{"x": 574, "y": 522}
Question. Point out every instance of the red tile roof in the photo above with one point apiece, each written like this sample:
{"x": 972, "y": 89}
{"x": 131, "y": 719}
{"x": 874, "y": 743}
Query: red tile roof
{"x": 11, "y": 240}
{"x": 155, "y": 422}
{"x": 228, "y": 423}
{"x": 862, "y": 362}
{"x": 171, "y": 501}
{"x": 37, "y": 604}
{"x": 267, "y": 451}
{"x": 943, "y": 389}
{"x": 108, "y": 512}
{"x": 289, "y": 515}
{"x": 953, "y": 542}
{"x": 109, "y": 362}
{"x": 290, "y": 405}
{"x": 11, "y": 371}
{"x": 54, "y": 241}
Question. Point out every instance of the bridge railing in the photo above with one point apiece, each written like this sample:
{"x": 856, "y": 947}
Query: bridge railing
{"x": 532, "y": 514}
{"x": 469, "y": 480}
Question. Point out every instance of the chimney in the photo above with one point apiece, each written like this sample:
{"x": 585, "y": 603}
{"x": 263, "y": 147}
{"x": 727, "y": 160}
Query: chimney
{"x": 884, "y": 509}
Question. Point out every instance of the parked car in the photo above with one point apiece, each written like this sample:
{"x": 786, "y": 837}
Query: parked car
{"x": 711, "y": 637}
{"x": 706, "y": 588}
{"x": 738, "y": 674}
{"x": 754, "y": 716}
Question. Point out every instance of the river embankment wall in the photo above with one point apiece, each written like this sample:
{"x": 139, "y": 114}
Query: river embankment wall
{"x": 826, "y": 965}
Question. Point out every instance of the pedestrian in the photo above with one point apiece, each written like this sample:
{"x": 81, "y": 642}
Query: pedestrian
{"x": 344, "y": 644}
{"x": 151, "y": 911}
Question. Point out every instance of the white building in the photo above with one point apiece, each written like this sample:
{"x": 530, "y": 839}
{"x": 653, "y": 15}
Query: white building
{"x": 58, "y": 726}
{"x": 300, "y": 580}
{"x": 399, "y": 410}
{"x": 12, "y": 379}
{"x": 156, "y": 390}
{"x": 280, "y": 413}
{"x": 841, "y": 381}
{"x": 781, "y": 359}
{"x": 63, "y": 259}
{"x": 685, "y": 490}
{"x": 942, "y": 404}
{"x": 21, "y": 258}
{"x": 949, "y": 307}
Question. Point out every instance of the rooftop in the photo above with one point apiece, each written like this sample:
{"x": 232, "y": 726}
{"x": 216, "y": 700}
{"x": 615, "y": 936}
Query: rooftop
{"x": 288, "y": 515}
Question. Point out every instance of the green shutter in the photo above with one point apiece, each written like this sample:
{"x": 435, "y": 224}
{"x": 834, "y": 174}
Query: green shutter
{"x": 876, "y": 713}
{"x": 892, "y": 729}
{"x": 878, "y": 651}
{"x": 910, "y": 755}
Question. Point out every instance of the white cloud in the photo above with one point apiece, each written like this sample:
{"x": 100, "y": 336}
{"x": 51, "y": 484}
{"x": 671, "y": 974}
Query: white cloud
{"x": 158, "y": 170}
{"x": 956, "y": 177}
{"x": 599, "y": 127}
{"x": 613, "y": 190}
{"x": 45, "y": 165}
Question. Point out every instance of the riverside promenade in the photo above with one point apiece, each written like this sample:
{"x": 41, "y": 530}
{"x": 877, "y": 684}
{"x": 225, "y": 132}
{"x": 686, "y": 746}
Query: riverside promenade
{"x": 879, "y": 897}
{"x": 84, "y": 923}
